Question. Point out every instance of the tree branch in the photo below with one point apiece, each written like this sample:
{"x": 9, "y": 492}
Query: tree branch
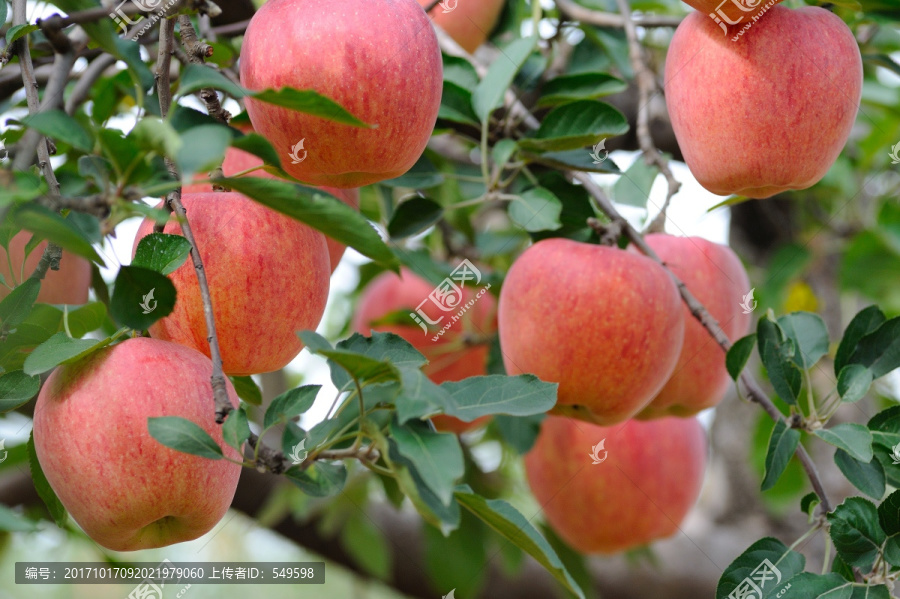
{"x": 605, "y": 19}
{"x": 197, "y": 50}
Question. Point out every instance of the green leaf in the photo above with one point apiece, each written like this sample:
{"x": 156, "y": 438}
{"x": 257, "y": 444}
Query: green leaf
{"x": 519, "y": 432}
{"x": 16, "y": 389}
{"x": 3, "y": 11}
{"x": 490, "y": 91}
{"x": 11, "y": 521}
{"x": 413, "y": 217}
{"x": 385, "y": 348}
{"x": 856, "y": 532}
{"x": 45, "y": 223}
{"x": 456, "y": 560}
{"x": 259, "y": 146}
{"x": 433, "y": 510}
{"x": 314, "y": 341}
{"x": 320, "y": 479}
{"x": 161, "y": 252}
{"x": 868, "y": 477}
{"x": 19, "y": 31}
{"x": 437, "y": 457}
{"x": 185, "y": 436}
{"x": 60, "y": 126}
{"x": 579, "y": 160}
{"x": 782, "y": 444}
{"x": 737, "y": 356}
{"x": 43, "y": 488}
{"x": 456, "y": 105}
{"x": 290, "y": 404}
{"x": 367, "y": 546}
{"x": 536, "y": 210}
{"x": 777, "y": 353}
{"x": 87, "y": 318}
{"x": 853, "y": 438}
{"x": 513, "y": 526}
{"x": 502, "y": 151}
{"x": 810, "y": 337}
{"x": 808, "y": 504}
{"x": 865, "y": 322}
{"x": 16, "y": 306}
{"x": 56, "y": 350}
{"x": 854, "y": 382}
{"x": 880, "y": 350}
{"x": 522, "y": 395}
{"x": 321, "y": 211}
{"x": 247, "y": 389}
{"x": 423, "y": 175}
{"x": 141, "y": 297}
{"x": 202, "y": 149}
{"x": 310, "y": 102}
{"x": 156, "y": 135}
{"x": 364, "y": 369}
{"x": 236, "y": 428}
{"x": 889, "y": 514}
{"x": 757, "y": 563}
{"x": 580, "y": 86}
{"x": 633, "y": 187}
{"x": 195, "y": 77}
{"x": 419, "y": 396}
{"x": 574, "y": 126}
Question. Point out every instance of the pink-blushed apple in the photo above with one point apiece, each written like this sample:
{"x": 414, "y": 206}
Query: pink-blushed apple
{"x": 716, "y": 277}
{"x": 68, "y": 285}
{"x": 636, "y": 487}
{"x": 469, "y": 23}
{"x": 124, "y": 488}
{"x": 604, "y": 323}
{"x": 452, "y": 357}
{"x": 237, "y": 161}
{"x": 268, "y": 276}
{"x": 379, "y": 59}
{"x": 768, "y": 110}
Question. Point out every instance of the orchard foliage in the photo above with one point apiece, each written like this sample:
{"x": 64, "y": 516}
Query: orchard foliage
{"x": 521, "y": 125}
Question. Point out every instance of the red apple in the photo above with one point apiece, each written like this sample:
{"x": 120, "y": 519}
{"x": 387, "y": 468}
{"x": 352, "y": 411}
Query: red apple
{"x": 268, "y": 276}
{"x": 764, "y": 110}
{"x": 449, "y": 358}
{"x": 648, "y": 477}
{"x": 716, "y": 277}
{"x": 469, "y": 23}
{"x": 379, "y": 59}
{"x": 237, "y": 161}
{"x": 124, "y": 488}
{"x": 604, "y": 323}
{"x": 68, "y": 285}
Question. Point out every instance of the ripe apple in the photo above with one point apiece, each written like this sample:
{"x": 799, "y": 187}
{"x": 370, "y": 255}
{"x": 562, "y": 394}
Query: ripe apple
{"x": 124, "y": 488}
{"x": 604, "y": 323}
{"x": 268, "y": 277}
{"x": 716, "y": 277}
{"x": 449, "y": 358}
{"x": 237, "y": 161}
{"x": 648, "y": 477}
{"x": 770, "y": 111}
{"x": 68, "y": 285}
{"x": 379, "y": 59}
{"x": 469, "y": 23}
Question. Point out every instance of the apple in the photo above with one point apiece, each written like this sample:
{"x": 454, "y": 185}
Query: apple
{"x": 604, "y": 323}
{"x": 769, "y": 112}
{"x": 449, "y": 358}
{"x": 379, "y": 59}
{"x": 730, "y": 12}
{"x": 237, "y": 161}
{"x": 268, "y": 277}
{"x": 648, "y": 477}
{"x": 469, "y": 23}
{"x": 716, "y": 277}
{"x": 124, "y": 488}
{"x": 68, "y": 285}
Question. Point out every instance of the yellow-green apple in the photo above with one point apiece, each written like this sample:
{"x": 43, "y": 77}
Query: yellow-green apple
{"x": 609, "y": 489}
{"x": 604, "y": 323}
{"x": 716, "y": 277}
{"x": 451, "y": 357}
{"x": 767, "y": 109}
{"x": 124, "y": 488}
{"x": 468, "y": 22}
{"x": 379, "y": 59}
{"x": 237, "y": 161}
{"x": 68, "y": 285}
{"x": 268, "y": 277}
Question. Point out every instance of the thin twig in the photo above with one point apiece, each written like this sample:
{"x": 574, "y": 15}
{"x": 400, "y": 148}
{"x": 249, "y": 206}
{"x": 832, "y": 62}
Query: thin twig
{"x": 646, "y": 82}
{"x": 197, "y": 50}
